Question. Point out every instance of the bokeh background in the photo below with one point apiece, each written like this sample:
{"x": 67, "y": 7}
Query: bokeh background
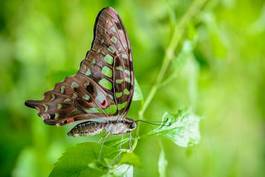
{"x": 222, "y": 77}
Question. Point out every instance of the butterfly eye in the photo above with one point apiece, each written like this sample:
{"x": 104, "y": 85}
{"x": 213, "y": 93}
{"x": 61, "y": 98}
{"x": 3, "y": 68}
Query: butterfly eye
{"x": 132, "y": 125}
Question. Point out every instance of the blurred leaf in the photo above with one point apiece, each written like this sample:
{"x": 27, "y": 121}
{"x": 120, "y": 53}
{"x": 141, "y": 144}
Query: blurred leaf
{"x": 162, "y": 163}
{"x": 26, "y": 164}
{"x": 179, "y": 61}
{"x": 182, "y": 129}
{"x": 83, "y": 160}
{"x": 185, "y": 53}
{"x": 130, "y": 158}
{"x": 137, "y": 96}
{"x": 123, "y": 170}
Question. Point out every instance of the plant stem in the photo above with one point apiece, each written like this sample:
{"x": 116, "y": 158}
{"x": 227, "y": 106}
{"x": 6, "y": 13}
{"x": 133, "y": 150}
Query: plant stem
{"x": 170, "y": 51}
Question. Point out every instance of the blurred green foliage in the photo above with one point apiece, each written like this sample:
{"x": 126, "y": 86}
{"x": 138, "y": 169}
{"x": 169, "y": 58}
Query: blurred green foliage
{"x": 218, "y": 71}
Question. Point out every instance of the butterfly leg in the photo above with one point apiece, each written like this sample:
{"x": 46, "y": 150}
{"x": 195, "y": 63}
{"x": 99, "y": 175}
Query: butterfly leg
{"x": 102, "y": 141}
{"x": 130, "y": 141}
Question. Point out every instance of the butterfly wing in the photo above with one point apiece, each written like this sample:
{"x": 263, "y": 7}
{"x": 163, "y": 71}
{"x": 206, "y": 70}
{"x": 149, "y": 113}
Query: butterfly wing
{"x": 76, "y": 98}
{"x": 103, "y": 86}
{"x": 109, "y": 62}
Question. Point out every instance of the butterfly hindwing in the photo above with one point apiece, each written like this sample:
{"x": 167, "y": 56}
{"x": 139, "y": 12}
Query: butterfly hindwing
{"x": 76, "y": 98}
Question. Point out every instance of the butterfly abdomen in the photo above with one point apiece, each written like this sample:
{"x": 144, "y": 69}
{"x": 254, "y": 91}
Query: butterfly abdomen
{"x": 113, "y": 127}
{"x": 87, "y": 128}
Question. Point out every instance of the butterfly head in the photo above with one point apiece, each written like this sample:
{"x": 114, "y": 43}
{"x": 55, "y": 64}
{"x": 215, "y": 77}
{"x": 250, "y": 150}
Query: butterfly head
{"x": 131, "y": 124}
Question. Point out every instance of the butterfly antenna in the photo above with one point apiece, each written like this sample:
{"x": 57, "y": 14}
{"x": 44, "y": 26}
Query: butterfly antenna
{"x": 161, "y": 123}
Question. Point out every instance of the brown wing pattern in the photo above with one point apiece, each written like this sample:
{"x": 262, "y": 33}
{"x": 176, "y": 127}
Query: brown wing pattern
{"x": 76, "y": 98}
{"x": 103, "y": 85}
{"x": 109, "y": 62}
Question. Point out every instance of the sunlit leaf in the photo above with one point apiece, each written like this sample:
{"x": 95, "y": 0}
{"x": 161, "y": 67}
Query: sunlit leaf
{"x": 182, "y": 129}
{"x": 130, "y": 158}
{"x": 84, "y": 160}
{"x": 123, "y": 170}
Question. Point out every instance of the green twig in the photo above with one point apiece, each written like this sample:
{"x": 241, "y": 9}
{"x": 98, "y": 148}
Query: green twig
{"x": 169, "y": 55}
{"x": 170, "y": 51}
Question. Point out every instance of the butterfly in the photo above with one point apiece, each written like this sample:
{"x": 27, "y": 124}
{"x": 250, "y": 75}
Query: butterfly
{"x": 100, "y": 93}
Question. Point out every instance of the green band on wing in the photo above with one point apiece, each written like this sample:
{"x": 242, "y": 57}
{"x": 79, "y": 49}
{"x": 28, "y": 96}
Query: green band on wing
{"x": 126, "y": 91}
{"x": 88, "y": 72}
{"x": 124, "y": 56}
{"x": 114, "y": 39}
{"x": 105, "y": 83}
{"x": 107, "y": 71}
{"x": 119, "y": 68}
{"x": 122, "y": 105}
{"x": 59, "y": 106}
{"x": 86, "y": 97}
{"x": 112, "y": 109}
{"x": 127, "y": 72}
{"x": 62, "y": 89}
{"x": 109, "y": 59}
{"x": 111, "y": 49}
{"x": 74, "y": 85}
{"x": 119, "y": 81}
{"x": 118, "y": 94}
{"x": 127, "y": 79}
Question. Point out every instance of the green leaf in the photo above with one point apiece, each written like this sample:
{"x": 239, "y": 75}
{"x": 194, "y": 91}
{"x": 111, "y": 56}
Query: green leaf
{"x": 130, "y": 158}
{"x": 184, "y": 54}
{"x": 137, "y": 96}
{"x": 84, "y": 160}
{"x": 162, "y": 163}
{"x": 182, "y": 128}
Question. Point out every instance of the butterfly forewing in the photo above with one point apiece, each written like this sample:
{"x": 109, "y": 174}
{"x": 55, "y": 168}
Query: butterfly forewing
{"x": 103, "y": 86}
{"x": 109, "y": 61}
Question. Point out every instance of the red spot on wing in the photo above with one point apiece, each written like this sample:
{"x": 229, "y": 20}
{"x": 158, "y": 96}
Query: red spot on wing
{"x": 104, "y": 104}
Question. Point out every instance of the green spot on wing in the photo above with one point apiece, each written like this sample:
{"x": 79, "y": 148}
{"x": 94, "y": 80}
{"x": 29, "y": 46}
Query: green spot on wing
{"x": 127, "y": 72}
{"x": 122, "y": 105}
{"x": 112, "y": 109}
{"x": 109, "y": 59}
{"x": 111, "y": 49}
{"x": 86, "y": 97}
{"x": 105, "y": 83}
{"x": 74, "y": 85}
{"x": 59, "y": 106}
{"x": 92, "y": 110}
{"x": 113, "y": 39}
{"x": 107, "y": 71}
{"x": 127, "y": 79}
{"x": 126, "y": 91}
{"x": 124, "y": 56}
{"x": 119, "y": 68}
{"x": 62, "y": 89}
{"x": 119, "y": 81}
{"x": 88, "y": 72}
{"x": 118, "y": 94}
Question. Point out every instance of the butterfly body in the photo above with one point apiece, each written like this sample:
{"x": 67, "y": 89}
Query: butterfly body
{"x": 114, "y": 127}
{"x": 102, "y": 89}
